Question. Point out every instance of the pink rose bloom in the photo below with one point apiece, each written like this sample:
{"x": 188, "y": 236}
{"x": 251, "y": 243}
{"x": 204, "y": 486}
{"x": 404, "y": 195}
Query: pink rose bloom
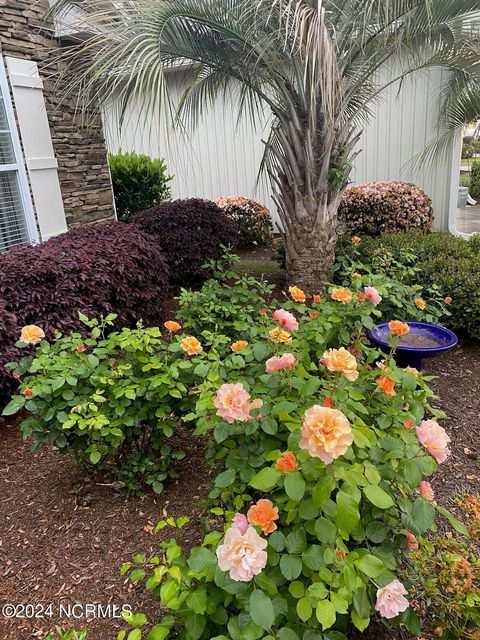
{"x": 286, "y": 319}
{"x": 435, "y": 439}
{"x": 391, "y": 600}
{"x": 373, "y": 295}
{"x": 287, "y": 361}
{"x": 426, "y": 490}
{"x": 326, "y": 433}
{"x": 243, "y": 555}
{"x": 233, "y": 403}
{"x": 240, "y": 522}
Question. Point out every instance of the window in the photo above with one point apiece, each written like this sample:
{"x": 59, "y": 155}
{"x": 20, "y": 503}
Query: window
{"x": 17, "y": 220}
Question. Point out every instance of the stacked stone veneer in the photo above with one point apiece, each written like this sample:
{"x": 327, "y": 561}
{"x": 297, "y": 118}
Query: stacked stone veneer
{"x": 80, "y": 149}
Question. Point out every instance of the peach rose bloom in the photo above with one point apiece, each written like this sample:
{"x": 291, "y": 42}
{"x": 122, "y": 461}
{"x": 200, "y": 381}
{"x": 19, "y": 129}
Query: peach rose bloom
{"x": 435, "y": 439}
{"x": 420, "y": 302}
{"x": 297, "y": 294}
{"x": 242, "y": 555}
{"x": 342, "y": 295}
{"x": 263, "y": 514}
{"x": 239, "y": 345}
{"x": 286, "y": 319}
{"x": 233, "y": 403}
{"x": 412, "y": 542}
{"x": 287, "y": 462}
{"x": 31, "y": 334}
{"x": 326, "y": 433}
{"x": 356, "y": 240}
{"x": 240, "y": 522}
{"x": 413, "y": 371}
{"x": 191, "y": 346}
{"x": 391, "y": 600}
{"x": 172, "y": 326}
{"x": 426, "y": 490}
{"x": 387, "y": 385}
{"x": 277, "y": 363}
{"x": 372, "y": 295}
{"x": 342, "y": 361}
{"x": 279, "y": 336}
{"x": 398, "y": 328}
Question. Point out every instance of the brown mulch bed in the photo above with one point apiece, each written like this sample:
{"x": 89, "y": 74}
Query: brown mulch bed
{"x": 63, "y": 537}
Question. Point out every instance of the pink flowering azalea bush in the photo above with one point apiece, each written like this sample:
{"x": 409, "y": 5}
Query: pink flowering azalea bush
{"x": 252, "y": 220}
{"x": 385, "y": 207}
{"x": 322, "y": 481}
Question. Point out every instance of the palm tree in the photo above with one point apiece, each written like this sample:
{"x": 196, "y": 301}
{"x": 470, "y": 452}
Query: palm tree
{"x": 316, "y": 66}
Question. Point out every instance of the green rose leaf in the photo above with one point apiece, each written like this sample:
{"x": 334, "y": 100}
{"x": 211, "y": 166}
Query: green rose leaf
{"x": 265, "y": 479}
{"x": 261, "y": 609}
{"x": 423, "y": 514}
{"x": 295, "y": 486}
{"x": 158, "y": 633}
{"x": 201, "y": 559}
{"x": 347, "y": 515}
{"x": 326, "y": 614}
{"x": 290, "y": 566}
{"x": 325, "y": 530}
{"x": 225, "y": 479}
{"x": 304, "y": 609}
{"x": 370, "y": 565}
{"x": 378, "y": 497}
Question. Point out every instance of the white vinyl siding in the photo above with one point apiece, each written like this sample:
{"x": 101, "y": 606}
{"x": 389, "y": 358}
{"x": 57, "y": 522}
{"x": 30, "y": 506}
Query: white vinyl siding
{"x": 222, "y": 155}
{"x": 17, "y": 220}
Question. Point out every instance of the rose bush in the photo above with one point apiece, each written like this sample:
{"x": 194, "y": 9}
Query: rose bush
{"x": 110, "y": 401}
{"x": 252, "y": 220}
{"x": 322, "y": 481}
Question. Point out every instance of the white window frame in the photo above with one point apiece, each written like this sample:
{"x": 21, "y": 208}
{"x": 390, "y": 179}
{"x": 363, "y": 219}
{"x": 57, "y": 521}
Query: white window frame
{"x": 19, "y": 165}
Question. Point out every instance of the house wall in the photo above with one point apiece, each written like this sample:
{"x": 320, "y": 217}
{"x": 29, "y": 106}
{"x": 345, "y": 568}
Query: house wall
{"x": 221, "y": 156}
{"x": 79, "y": 149}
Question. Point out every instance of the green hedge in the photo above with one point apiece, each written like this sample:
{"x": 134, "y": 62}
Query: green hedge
{"x": 449, "y": 262}
{"x": 475, "y": 179}
{"x": 139, "y": 182}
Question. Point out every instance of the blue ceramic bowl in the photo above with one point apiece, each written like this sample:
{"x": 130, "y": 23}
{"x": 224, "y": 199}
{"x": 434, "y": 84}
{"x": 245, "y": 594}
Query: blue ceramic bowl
{"x": 429, "y": 340}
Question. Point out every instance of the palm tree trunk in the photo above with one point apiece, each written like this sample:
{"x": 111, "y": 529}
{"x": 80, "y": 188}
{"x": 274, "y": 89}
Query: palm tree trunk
{"x": 310, "y": 238}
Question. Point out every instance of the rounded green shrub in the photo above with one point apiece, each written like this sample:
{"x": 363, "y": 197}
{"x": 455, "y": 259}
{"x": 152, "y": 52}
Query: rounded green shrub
{"x": 139, "y": 182}
{"x": 385, "y": 207}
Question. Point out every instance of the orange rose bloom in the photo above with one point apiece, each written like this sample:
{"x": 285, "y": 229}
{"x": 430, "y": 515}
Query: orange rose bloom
{"x": 447, "y": 300}
{"x": 313, "y": 315}
{"x": 361, "y": 296}
{"x": 279, "y": 335}
{"x": 239, "y": 345}
{"x": 191, "y": 346}
{"x": 342, "y": 295}
{"x": 263, "y": 514}
{"x": 408, "y": 424}
{"x": 356, "y": 240}
{"x": 420, "y": 302}
{"x": 81, "y": 348}
{"x": 398, "y": 328}
{"x": 317, "y": 298}
{"x": 297, "y": 294}
{"x": 172, "y": 326}
{"x": 387, "y": 385}
{"x": 287, "y": 462}
{"x": 31, "y": 334}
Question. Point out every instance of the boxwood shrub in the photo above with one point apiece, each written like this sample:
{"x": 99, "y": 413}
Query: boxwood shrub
{"x": 190, "y": 233}
{"x": 108, "y": 268}
{"x": 449, "y": 262}
{"x": 138, "y": 182}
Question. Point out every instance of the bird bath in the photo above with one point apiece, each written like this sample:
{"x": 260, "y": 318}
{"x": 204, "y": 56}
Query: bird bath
{"x": 424, "y": 341}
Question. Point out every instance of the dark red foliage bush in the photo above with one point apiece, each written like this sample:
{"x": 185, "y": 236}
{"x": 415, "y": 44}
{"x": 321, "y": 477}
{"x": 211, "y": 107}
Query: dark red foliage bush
{"x": 107, "y": 268}
{"x": 189, "y": 233}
